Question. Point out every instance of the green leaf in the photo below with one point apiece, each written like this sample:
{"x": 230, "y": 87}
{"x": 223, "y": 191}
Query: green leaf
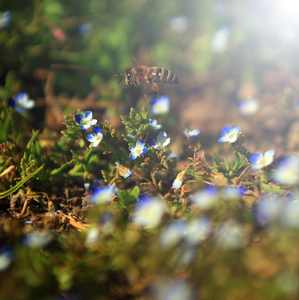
{"x": 215, "y": 160}
{"x": 18, "y": 185}
{"x": 226, "y": 164}
{"x": 135, "y": 192}
{"x": 62, "y": 168}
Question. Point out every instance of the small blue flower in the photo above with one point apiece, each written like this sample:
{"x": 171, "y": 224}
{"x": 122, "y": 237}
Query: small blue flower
{"x": 102, "y": 195}
{"x": 289, "y": 215}
{"x": 84, "y": 28}
{"x": 133, "y": 137}
{"x": 161, "y": 141}
{"x": 248, "y": 107}
{"x": 154, "y": 124}
{"x": 138, "y": 150}
{"x": 177, "y": 183}
{"x": 197, "y": 230}
{"x": 37, "y": 239}
{"x": 220, "y": 39}
{"x": 5, "y": 19}
{"x": 160, "y": 106}
{"x": 229, "y": 134}
{"x": 95, "y": 137}
{"x": 5, "y": 257}
{"x": 267, "y": 210}
{"x": 233, "y": 192}
{"x": 206, "y": 198}
{"x": 169, "y": 290}
{"x": 287, "y": 171}
{"x": 172, "y": 234}
{"x": 85, "y": 120}
{"x": 148, "y": 212}
{"x": 179, "y": 24}
{"x": 191, "y": 133}
{"x": 123, "y": 171}
{"x": 231, "y": 235}
{"x": 260, "y": 161}
{"x": 21, "y": 102}
{"x": 128, "y": 174}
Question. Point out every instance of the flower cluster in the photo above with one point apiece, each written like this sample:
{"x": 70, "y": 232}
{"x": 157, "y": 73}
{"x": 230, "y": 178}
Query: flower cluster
{"x": 85, "y": 121}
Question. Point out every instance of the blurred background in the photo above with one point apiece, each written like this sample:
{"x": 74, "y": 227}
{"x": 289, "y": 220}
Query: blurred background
{"x": 236, "y": 62}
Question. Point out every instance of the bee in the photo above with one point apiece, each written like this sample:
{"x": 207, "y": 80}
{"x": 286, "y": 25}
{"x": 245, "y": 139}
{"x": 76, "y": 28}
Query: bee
{"x": 149, "y": 77}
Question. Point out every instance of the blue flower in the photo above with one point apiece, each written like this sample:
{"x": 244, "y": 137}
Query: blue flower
{"x": 267, "y": 210}
{"x": 229, "y": 134}
{"x": 169, "y": 290}
{"x": 179, "y": 24}
{"x": 161, "y": 141}
{"x": 95, "y": 137}
{"x": 160, "y": 106}
{"x": 287, "y": 171}
{"x": 197, "y": 230}
{"x": 5, "y": 18}
{"x": 260, "y": 161}
{"x": 154, "y": 124}
{"x": 138, "y": 150}
{"x": 85, "y": 120}
{"x": 37, "y": 239}
{"x": 206, "y": 198}
{"x": 172, "y": 234}
{"x": 123, "y": 171}
{"x": 133, "y": 137}
{"x": 177, "y": 183}
{"x": 219, "y": 41}
{"x": 21, "y": 102}
{"x": 102, "y": 195}
{"x": 5, "y": 257}
{"x": 248, "y": 107}
{"x": 233, "y": 192}
{"x": 231, "y": 235}
{"x": 84, "y": 28}
{"x": 191, "y": 133}
{"x": 289, "y": 215}
{"x": 148, "y": 212}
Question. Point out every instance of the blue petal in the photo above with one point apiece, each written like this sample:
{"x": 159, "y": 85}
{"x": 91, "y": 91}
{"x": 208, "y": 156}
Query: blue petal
{"x": 226, "y": 130}
{"x": 133, "y": 156}
{"x": 255, "y": 157}
{"x": 144, "y": 151}
{"x": 87, "y": 114}
{"x": 140, "y": 144}
{"x": 257, "y": 167}
{"x": 177, "y": 183}
{"x": 151, "y": 142}
{"x": 20, "y": 96}
{"x": 237, "y": 129}
{"x": 97, "y": 130}
{"x": 222, "y": 139}
{"x": 90, "y": 137}
{"x": 154, "y": 101}
{"x": 194, "y": 132}
{"x": 78, "y": 118}
{"x": 128, "y": 174}
{"x": 11, "y": 102}
{"x": 152, "y": 121}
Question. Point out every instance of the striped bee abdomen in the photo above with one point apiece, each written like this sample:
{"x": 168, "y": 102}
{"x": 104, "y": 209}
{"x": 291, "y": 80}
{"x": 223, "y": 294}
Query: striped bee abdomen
{"x": 164, "y": 76}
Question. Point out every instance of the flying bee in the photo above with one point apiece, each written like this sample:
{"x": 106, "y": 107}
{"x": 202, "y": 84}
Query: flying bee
{"x": 149, "y": 77}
